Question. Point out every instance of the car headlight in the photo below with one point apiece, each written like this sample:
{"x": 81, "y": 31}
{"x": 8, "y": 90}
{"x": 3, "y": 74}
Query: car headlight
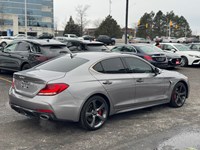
{"x": 194, "y": 56}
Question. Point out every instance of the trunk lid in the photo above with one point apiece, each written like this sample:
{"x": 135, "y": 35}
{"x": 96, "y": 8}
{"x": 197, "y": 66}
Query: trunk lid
{"x": 29, "y": 83}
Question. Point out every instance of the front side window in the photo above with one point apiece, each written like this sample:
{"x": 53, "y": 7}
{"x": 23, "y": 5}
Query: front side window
{"x": 112, "y": 66}
{"x": 138, "y": 66}
{"x": 168, "y": 47}
{"x": 23, "y": 46}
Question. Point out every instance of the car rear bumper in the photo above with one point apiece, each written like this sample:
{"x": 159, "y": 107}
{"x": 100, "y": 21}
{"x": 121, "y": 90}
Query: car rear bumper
{"x": 160, "y": 65}
{"x": 56, "y": 108}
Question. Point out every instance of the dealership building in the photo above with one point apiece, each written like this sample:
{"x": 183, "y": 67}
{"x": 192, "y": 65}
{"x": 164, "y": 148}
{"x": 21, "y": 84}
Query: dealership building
{"x": 39, "y": 17}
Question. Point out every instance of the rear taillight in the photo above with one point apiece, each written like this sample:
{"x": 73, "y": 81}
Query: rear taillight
{"x": 147, "y": 57}
{"x": 53, "y": 89}
{"x": 41, "y": 58}
{"x": 13, "y": 83}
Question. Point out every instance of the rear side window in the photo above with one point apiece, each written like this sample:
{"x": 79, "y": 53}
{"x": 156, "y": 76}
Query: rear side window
{"x": 112, "y": 65}
{"x": 63, "y": 64}
{"x": 53, "y": 50}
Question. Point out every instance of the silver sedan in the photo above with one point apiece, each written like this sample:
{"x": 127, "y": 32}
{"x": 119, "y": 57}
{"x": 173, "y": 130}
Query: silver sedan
{"x": 89, "y": 87}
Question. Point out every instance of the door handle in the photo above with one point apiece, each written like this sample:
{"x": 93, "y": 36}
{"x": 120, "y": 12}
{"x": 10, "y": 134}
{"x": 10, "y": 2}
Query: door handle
{"x": 107, "y": 82}
{"x": 140, "y": 80}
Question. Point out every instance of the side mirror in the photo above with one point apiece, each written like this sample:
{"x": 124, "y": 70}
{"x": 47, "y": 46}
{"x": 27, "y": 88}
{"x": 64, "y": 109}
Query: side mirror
{"x": 173, "y": 50}
{"x": 157, "y": 71}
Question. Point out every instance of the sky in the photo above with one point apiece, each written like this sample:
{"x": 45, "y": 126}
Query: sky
{"x": 99, "y": 9}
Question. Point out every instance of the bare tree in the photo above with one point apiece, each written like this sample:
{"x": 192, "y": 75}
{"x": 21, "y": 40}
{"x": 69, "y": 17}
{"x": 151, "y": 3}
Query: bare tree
{"x": 82, "y": 16}
{"x": 97, "y": 22}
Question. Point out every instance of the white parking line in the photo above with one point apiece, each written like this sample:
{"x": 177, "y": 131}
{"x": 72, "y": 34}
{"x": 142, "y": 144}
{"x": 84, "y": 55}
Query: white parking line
{"x": 5, "y": 80}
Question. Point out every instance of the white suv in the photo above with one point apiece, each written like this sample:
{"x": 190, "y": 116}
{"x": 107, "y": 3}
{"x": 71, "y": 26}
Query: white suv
{"x": 188, "y": 56}
{"x": 5, "y": 40}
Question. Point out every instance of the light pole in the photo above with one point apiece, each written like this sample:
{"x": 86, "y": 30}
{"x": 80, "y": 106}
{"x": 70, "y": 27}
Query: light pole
{"x": 25, "y": 17}
{"x": 126, "y": 28}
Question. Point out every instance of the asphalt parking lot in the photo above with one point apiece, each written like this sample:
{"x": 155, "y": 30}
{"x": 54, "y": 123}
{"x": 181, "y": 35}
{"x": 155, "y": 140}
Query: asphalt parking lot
{"x": 156, "y": 128}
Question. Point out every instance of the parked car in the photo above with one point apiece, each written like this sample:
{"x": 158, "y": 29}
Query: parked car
{"x": 87, "y": 37}
{"x": 76, "y": 45}
{"x": 192, "y": 40}
{"x": 5, "y": 40}
{"x": 188, "y": 57}
{"x": 70, "y": 35}
{"x": 106, "y": 40}
{"x": 182, "y": 40}
{"x": 61, "y": 39}
{"x": 169, "y": 40}
{"x": 145, "y": 51}
{"x": 92, "y": 86}
{"x": 140, "y": 40}
{"x": 194, "y": 46}
{"x": 45, "y": 36}
{"x": 24, "y": 54}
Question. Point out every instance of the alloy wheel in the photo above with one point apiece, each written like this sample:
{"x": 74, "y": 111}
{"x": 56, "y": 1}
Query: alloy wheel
{"x": 95, "y": 113}
{"x": 179, "y": 95}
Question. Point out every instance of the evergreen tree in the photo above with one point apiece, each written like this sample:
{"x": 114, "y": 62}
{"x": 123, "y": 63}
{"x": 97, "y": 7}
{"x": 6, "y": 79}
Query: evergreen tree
{"x": 144, "y": 28}
{"x": 72, "y": 28}
{"x": 109, "y": 27}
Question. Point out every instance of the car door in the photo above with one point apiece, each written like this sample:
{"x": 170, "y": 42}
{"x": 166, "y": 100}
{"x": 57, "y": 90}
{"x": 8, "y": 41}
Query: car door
{"x": 113, "y": 76}
{"x": 149, "y": 87}
{"x": 6, "y": 59}
{"x": 20, "y": 54}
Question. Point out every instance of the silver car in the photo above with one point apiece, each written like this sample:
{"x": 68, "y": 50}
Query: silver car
{"x": 89, "y": 87}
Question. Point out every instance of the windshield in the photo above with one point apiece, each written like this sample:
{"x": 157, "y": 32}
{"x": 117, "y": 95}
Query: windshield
{"x": 149, "y": 49}
{"x": 181, "y": 47}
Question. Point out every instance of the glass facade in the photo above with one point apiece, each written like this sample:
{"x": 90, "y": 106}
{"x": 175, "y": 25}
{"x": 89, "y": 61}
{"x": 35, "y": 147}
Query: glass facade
{"x": 39, "y": 12}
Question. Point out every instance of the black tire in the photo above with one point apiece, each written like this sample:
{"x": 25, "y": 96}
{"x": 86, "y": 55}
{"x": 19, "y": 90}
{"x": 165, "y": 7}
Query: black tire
{"x": 3, "y": 44}
{"x": 179, "y": 95}
{"x": 25, "y": 67}
{"x": 184, "y": 62}
{"x": 113, "y": 43}
{"x": 94, "y": 113}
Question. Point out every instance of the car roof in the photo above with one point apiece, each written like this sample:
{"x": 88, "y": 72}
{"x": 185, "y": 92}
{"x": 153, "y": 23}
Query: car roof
{"x": 43, "y": 42}
{"x": 93, "y": 56}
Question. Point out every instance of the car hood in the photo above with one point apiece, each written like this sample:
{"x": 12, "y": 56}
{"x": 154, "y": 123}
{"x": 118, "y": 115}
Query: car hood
{"x": 174, "y": 74}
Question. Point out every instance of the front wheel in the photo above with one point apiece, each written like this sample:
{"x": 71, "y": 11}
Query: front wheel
{"x": 179, "y": 94}
{"x": 184, "y": 61}
{"x": 94, "y": 113}
{"x": 25, "y": 67}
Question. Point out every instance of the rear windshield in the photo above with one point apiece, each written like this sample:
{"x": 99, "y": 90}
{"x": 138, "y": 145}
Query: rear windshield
{"x": 96, "y": 47}
{"x": 53, "y": 50}
{"x": 63, "y": 64}
{"x": 149, "y": 49}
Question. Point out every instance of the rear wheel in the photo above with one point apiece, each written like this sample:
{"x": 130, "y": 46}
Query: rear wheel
{"x": 184, "y": 61}
{"x": 3, "y": 44}
{"x": 94, "y": 113}
{"x": 179, "y": 95}
{"x": 113, "y": 43}
{"x": 25, "y": 67}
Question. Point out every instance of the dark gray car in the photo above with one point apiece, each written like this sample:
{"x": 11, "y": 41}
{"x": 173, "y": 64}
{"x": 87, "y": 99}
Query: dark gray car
{"x": 89, "y": 87}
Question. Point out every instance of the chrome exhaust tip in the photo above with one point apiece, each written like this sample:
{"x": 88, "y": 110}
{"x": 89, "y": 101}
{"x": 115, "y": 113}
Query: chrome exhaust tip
{"x": 44, "y": 117}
